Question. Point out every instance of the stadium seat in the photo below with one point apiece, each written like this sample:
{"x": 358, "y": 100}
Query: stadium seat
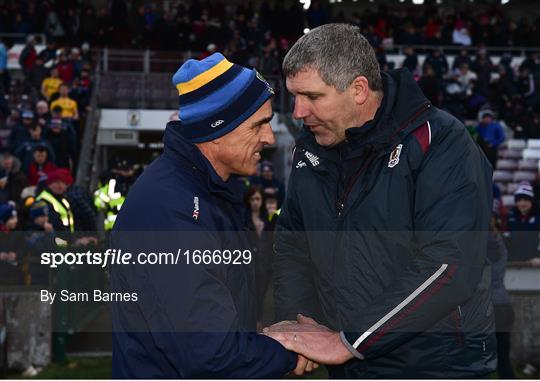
{"x": 528, "y": 165}
{"x": 530, "y": 153}
{"x": 511, "y": 154}
{"x": 507, "y": 164}
{"x": 516, "y": 144}
{"x": 524, "y": 176}
{"x": 533, "y": 143}
{"x": 502, "y": 176}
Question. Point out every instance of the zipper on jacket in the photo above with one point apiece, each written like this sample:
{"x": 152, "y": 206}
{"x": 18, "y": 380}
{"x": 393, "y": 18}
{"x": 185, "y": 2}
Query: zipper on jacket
{"x": 370, "y": 158}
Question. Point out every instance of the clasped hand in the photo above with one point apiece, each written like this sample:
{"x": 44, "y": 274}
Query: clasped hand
{"x": 314, "y": 343}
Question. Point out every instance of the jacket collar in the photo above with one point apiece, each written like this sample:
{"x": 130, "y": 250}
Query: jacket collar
{"x": 183, "y": 152}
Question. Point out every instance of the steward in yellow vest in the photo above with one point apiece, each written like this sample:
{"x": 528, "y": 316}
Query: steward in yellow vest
{"x": 60, "y": 213}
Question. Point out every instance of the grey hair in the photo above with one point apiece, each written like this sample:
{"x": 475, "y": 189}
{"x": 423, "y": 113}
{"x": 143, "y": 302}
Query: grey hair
{"x": 339, "y": 53}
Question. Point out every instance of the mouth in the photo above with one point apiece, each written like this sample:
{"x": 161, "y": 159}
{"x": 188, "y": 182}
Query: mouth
{"x": 257, "y": 155}
{"x": 311, "y": 127}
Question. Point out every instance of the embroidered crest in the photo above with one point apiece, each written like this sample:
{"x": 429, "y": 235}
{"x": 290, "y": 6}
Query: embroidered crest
{"x": 394, "y": 156}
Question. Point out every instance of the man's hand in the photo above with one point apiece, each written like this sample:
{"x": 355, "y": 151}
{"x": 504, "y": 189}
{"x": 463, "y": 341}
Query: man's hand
{"x": 302, "y": 364}
{"x": 311, "y": 340}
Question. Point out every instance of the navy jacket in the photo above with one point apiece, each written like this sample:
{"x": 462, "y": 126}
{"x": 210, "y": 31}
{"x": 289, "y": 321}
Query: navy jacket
{"x": 190, "y": 320}
{"x": 384, "y": 239}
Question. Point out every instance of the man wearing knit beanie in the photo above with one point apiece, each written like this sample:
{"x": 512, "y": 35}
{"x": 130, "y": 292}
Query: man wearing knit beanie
{"x": 194, "y": 319}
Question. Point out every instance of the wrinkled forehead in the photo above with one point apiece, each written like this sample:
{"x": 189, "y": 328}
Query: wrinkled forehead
{"x": 307, "y": 79}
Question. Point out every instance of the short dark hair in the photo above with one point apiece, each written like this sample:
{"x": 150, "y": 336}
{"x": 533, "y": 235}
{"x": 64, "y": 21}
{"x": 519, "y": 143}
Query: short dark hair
{"x": 339, "y": 53}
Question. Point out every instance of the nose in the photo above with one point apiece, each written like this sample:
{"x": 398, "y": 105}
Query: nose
{"x": 267, "y": 136}
{"x": 300, "y": 109}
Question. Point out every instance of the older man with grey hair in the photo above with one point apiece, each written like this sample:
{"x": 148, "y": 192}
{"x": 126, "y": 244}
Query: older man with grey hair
{"x": 380, "y": 267}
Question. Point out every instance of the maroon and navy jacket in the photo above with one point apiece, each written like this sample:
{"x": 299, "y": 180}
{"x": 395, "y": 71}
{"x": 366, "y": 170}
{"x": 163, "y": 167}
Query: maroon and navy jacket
{"x": 383, "y": 239}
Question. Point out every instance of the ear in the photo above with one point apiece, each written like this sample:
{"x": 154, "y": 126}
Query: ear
{"x": 360, "y": 88}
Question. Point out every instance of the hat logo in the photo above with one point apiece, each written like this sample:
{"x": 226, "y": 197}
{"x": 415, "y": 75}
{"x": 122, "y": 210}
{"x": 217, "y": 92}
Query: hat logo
{"x": 261, "y": 78}
{"x": 217, "y": 123}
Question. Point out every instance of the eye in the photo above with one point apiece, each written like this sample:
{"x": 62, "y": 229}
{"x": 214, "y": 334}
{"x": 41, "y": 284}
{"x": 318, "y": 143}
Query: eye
{"x": 312, "y": 97}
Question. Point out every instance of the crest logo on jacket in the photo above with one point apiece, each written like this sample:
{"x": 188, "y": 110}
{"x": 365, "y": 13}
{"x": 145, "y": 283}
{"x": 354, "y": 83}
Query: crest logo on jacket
{"x": 195, "y": 208}
{"x": 394, "y": 156}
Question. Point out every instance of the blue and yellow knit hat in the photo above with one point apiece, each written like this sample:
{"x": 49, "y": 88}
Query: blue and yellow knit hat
{"x": 216, "y": 96}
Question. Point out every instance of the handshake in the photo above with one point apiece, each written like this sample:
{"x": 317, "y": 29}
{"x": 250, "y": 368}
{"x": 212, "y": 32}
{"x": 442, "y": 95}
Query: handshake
{"x": 314, "y": 343}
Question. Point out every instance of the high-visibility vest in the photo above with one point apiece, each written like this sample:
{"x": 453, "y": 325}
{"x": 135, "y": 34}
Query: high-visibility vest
{"x": 108, "y": 200}
{"x": 61, "y": 207}
{"x": 274, "y": 215}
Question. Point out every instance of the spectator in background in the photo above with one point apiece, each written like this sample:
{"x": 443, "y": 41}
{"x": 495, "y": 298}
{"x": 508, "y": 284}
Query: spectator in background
{"x": 502, "y": 92}
{"x": 77, "y": 61}
{"x": 269, "y": 184}
{"x": 411, "y": 60}
{"x": 43, "y": 115}
{"x": 465, "y": 78}
{"x": 25, "y": 151}
{"x": 460, "y": 35}
{"x": 432, "y": 31}
{"x": 10, "y": 272}
{"x": 53, "y": 25}
{"x": 28, "y": 55}
{"x": 63, "y": 143}
{"x": 86, "y": 82}
{"x": 83, "y": 211}
{"x": 261, "y": 242}
{"x": 527, "y": 85}
{"x": 39, "y": 238}
{"x": 523, "y": 225}
{"x": 431, "y": 86}
{"x": 69, "y": 107}
{"x": 4, "y": 74}
{"x": 60, "y": 213}
{"x": 81, "y": 95}
{"x": 8, "y": 221}
{"x": 437, "y": 60}
{"x": 490, "y": 135}
{"x": 48, "y": 55}
{"x": 12, "y": 179}
{"x": 21, "y": 131}
{"x": 461, "y": 58}
{"x": 483, "y": 67}
{"x": 271, "y": 205}
{"x": 65, "y": 68}
{"x": 40, "y": 167}
{"x": 51, "y": 84}
{"x": 36, "y": 77}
